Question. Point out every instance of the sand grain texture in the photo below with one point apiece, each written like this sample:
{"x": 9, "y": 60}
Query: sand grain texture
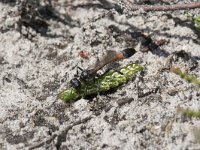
{"x": 142, "y": 114}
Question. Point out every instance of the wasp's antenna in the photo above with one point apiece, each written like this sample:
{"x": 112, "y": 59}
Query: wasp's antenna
{"x": 128, "y": 52}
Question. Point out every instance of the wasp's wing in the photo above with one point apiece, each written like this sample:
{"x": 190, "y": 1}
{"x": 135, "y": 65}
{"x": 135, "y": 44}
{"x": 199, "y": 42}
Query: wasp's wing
{"x": 108, "y": 58}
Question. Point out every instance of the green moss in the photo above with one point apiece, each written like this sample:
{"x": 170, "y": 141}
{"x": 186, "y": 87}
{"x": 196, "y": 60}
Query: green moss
{"x": 191, "y": 113}
{"x": 186, "y": 76}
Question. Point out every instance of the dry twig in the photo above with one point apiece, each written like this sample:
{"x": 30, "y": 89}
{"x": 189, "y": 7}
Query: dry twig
{"x": 133, "y": 7}
{"x": 51, "y": 138}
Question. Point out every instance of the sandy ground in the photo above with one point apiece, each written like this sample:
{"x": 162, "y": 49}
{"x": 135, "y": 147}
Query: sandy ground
{"x": 35, "y": 67}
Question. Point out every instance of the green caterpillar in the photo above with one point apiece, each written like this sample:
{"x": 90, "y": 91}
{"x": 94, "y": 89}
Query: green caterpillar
{"x": 109, "y": 80}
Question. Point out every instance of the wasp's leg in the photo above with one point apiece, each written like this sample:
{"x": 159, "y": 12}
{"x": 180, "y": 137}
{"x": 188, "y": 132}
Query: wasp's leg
{"x": 98, "y": 90}
{"x": 76, "y": 75}
{"x": 118, "y": 72}
{"x": 110, "y": 69}
{"x": 77, "y": 72}
{"x": 85, "y": 90}
{"x": 80, "y": 68}
{"x": 97, "y": 84}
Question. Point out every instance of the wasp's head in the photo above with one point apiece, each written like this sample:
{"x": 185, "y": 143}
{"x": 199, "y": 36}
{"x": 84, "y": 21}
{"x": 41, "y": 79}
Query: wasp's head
{"x": 75, "y": 83}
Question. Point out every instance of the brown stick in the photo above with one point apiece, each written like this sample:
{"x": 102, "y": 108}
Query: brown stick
{"x": 51, "y": 138}
{"x": 133, "y": 7}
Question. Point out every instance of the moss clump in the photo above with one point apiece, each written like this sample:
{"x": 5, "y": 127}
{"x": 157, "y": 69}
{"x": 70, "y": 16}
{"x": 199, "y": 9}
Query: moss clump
{"x": 188, "y": 112}
{"x": 186, "y": 76}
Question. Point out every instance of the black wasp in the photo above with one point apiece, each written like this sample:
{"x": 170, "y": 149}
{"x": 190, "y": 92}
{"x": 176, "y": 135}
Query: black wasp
{"x": 90, "y": 73}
